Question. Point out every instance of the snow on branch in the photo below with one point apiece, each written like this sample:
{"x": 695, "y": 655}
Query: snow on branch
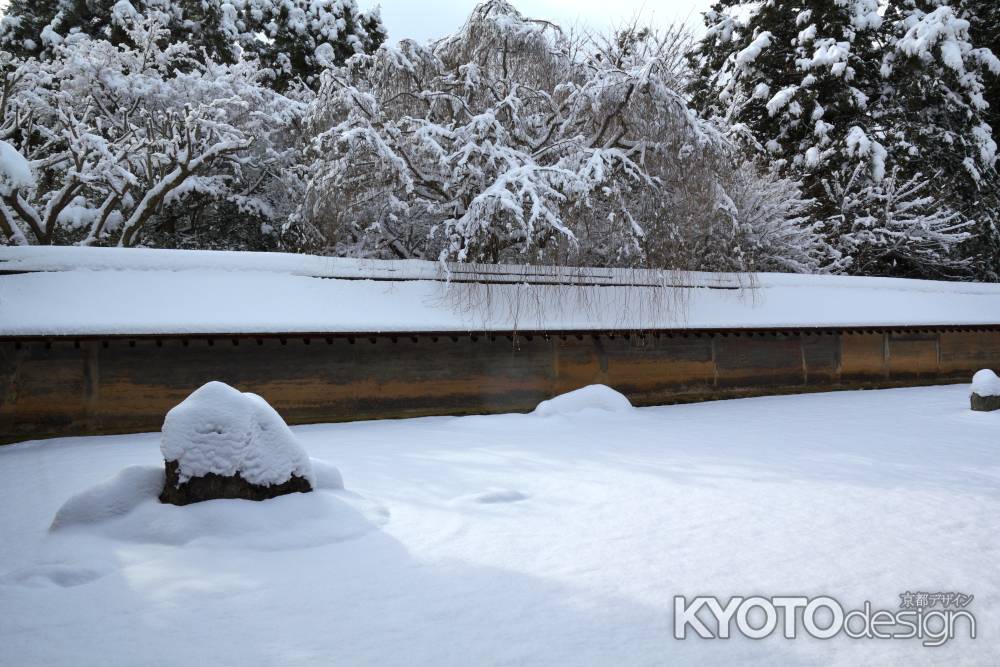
{"x": 512, "y": 140}
{"x": 114, "y": 134}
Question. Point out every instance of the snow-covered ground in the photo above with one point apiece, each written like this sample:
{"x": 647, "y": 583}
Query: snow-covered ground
{"x": 518, "y": 539}
{"x": 71, "y": 290}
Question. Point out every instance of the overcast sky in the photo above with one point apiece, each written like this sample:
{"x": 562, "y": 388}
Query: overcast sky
{"x": 428, "y": 19}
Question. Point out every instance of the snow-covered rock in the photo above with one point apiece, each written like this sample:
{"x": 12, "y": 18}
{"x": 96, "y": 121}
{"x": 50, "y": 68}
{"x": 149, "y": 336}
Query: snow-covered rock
{"x": 592, "y": 397}
{"x": 223, "y": 443}
{"x": 985, "y": 391}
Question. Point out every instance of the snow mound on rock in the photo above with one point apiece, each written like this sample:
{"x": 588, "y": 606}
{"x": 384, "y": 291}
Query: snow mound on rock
{"x": 221, "y": 430}
{"x": 592, "y": 397}
{"x": 986, "y": 383}
{"x": 125, "y": 508}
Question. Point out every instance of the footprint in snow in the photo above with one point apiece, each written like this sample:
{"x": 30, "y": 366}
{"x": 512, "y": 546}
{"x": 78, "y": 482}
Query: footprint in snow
{"x": 494, "y": 497}
{"x": 46, "y": 575}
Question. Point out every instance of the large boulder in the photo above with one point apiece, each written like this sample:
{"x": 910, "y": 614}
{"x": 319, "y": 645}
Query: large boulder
{"x": 222, "y": 443}
{"x": 985, "y": 394}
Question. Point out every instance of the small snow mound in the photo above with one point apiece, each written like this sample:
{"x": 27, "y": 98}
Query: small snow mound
{"x": 221, "y": 430}
{"x": 327, "y": 476}
{"x": 593, "y": 397}
{"x": 986, "y": 383}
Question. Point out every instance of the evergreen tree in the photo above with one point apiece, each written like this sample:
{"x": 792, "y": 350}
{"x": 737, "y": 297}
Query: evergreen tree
{"x": 294, "y": 39}
{"x": 32, "y": 29}
{"x": 935, "y": 110}
{"x": 984, "y": 30}
{"x": 798, "y": 76}
{"x": 806, "y": 81}
{"x": 301, "y": 37}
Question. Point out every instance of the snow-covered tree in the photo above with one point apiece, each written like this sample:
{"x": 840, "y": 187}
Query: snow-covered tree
{"x": 512, "y": 141}
{"x": 798, "y": 76}
{"x": 299, "y": 38}
{"x": 896, "y": 227}
{"x": 984, "y": 30}
{"x": 984, "y": 243}
{"x": 114, "y": 136}
{"x": 935, "y": 110}
{"x": 291, "y": 39}
{"x": 15, "y": 175}
{"x": 830, "y": 93}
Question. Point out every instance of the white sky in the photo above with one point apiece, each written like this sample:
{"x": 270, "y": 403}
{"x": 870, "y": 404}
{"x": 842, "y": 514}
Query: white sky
{"x": 428, "y": 19}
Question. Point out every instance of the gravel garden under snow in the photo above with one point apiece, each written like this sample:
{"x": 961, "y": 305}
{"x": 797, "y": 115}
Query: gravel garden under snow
{"x": 559, "y": 537}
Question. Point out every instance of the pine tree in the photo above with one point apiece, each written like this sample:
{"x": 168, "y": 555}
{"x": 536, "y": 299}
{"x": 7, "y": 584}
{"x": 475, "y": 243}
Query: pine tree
{"x": 304, "y": 36}
{"x": 984, "y": 30}
{"x": 22, "y": 25}
{"x": 935, "y": 108}
{"x": 797, "y": 78}
{"x": 293, "y": 39}
{"x": 806, "y": 82}
{"x": 32, "y": 29}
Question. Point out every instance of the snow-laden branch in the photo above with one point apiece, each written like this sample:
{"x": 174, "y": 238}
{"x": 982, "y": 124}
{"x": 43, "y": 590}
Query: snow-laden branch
{"x": 509, "y": 140}
{"x": 115, "y": 136}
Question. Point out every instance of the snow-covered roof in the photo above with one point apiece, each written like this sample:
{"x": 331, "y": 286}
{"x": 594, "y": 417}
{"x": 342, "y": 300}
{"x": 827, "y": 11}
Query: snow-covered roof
{"x": 91, "y": 291}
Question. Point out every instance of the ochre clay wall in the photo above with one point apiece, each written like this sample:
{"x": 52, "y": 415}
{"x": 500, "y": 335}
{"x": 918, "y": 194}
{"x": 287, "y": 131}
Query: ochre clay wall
{"x": 94, "y": 385}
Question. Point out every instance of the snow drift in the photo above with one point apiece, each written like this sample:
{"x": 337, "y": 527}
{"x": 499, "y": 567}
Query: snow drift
{"x": 125, "y": 508}
{"x": 592, "y": 397}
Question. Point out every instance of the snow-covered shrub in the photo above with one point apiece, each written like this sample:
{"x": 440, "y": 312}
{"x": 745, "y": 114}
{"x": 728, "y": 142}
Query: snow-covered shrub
{"x": 124, "y": 139}
{"x": 15, "y": 174}
{"x": 591, "y": 397}
{"x": 291, "y": 39}
{"x": 513, "y": 141}
{"x": 773, "y": 218}
{"x": 220, "y": 440}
